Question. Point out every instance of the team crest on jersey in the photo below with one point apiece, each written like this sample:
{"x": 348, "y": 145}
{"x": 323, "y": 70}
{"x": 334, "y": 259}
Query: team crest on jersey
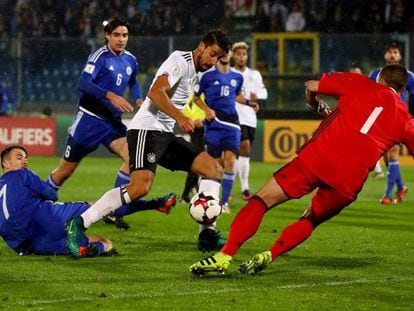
{"x": 233, "y": 83}
{"x": 151, "y": 157}
{"x": 129, "y": 70}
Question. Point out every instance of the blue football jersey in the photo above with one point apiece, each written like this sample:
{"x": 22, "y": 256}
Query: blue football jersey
{"x": 408, "y": 95}
{"x": 220, "y": 91}
{"x": 21, "y": 191}
{"x": 106, "y": 71}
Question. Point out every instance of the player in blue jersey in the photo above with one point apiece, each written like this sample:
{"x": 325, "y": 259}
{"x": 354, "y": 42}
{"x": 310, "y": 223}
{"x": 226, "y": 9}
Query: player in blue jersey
{"x": 221, "y": 87}
{"x": 32, "y": 222}
{"x": 108, "y": 72}
{"x": 393, "y": 55}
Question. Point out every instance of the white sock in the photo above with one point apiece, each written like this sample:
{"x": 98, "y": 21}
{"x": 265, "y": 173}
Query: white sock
{"x": 211, "y": 226}
{"x": 109, "y": 202}
{"x": 378, "y": 169}
{"x": 211, "y": 186}
{"x": 236, "y": 168}
{"x": 244, "y": 172}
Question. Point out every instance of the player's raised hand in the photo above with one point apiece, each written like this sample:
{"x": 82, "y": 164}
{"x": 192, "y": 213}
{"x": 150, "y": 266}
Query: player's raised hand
{"x": 255, "y": 106}
{"x": 198, "y": 123}
{"x": 253, "y": 97}
{"x": 139, "y": 102}
{"x": 186, "y": 124}
{"x": 119, "y": 102}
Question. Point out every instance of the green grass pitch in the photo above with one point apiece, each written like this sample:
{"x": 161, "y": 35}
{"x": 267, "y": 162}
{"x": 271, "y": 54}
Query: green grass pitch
{"x": 363, "y": 259}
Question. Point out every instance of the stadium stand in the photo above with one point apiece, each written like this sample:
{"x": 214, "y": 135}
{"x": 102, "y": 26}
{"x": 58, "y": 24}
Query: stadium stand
{"x": 77, "y": 18}
{"x": 43, "y": 43}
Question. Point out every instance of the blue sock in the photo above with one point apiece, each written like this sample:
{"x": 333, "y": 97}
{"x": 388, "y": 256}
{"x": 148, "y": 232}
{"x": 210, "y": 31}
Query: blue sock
{"x": 52, "y": 183}
{"x": 136, "y": 206}
{"x": 121, "y": 179}
{"x": 84, "y": 241}
{"x": 226, "y": 186}
{"x": 398, "y": 179}
{"x": 392, "y": 174}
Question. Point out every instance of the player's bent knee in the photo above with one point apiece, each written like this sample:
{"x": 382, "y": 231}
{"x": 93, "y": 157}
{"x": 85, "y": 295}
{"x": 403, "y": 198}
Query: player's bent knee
{"x": 140, "y": 185}
{"x": 207, "y": 166}
{"x": 312, "y": 217}
{"x": 136, "y": 192}
{"x": 319, "y": 217}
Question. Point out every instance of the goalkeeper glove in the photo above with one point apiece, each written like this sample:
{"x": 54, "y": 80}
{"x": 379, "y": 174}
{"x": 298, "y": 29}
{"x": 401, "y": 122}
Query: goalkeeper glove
{"x": 321, "y": 108}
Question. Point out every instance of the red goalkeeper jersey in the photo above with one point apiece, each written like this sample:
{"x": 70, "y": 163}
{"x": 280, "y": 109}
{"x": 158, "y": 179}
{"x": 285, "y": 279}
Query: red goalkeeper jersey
{"x": 368, "y": 120}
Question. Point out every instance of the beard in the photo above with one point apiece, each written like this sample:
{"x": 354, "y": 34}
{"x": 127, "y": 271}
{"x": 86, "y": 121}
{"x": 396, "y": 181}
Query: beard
{"x": 204, "y": 67}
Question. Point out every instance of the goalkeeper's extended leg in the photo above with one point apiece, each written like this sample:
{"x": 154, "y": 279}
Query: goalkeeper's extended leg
{"x": 291, "y": 236}
{"x": 219, "y": 262}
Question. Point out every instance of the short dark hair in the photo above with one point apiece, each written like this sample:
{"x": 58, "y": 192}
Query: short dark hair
{"x": 113, "y": 22}
{"x": 394, "y": 45}
{"x": 355, "y": 66}
{"x": 219, "y": 37}
{"x": 395, "y": 75}
{"x": 6, "y": 151}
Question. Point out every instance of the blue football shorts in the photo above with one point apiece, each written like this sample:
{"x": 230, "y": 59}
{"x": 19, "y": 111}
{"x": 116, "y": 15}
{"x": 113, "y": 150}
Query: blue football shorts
{"x": 221, "y": 136}
{"x": 48, "y": 230}
{"x": 87, "y": 132}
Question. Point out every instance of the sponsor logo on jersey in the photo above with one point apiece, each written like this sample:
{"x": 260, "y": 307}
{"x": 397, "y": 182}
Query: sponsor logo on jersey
{"x": 111, "y": 68}
{"x": 216, "y": 83}
{"x": 89, "y": 68}
{"x": 151, "y": 157}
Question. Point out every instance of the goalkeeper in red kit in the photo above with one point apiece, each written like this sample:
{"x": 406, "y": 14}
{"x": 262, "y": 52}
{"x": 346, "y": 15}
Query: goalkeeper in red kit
{"x": 369, "y": 116}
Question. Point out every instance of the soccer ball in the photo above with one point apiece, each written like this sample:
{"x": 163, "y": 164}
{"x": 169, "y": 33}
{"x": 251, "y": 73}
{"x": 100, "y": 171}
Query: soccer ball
{"x": 205, "y": 208}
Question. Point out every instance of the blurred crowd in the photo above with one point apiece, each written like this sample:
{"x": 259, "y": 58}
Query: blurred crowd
{"x": 83, "y": 18}
{"x": 334, "y": 16}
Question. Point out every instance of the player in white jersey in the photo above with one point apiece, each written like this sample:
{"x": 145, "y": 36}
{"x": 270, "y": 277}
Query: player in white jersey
{"x": 253, "y": 89}
{"x": 151, "y": 140}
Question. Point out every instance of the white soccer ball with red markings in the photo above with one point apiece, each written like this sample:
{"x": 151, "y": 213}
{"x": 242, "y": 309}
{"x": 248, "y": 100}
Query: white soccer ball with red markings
{"x": 205, "y": 208}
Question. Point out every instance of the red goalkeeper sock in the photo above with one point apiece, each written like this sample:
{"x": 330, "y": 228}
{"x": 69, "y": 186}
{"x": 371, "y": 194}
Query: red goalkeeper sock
{"x": 244, "y": 225}
{"x": 292, "y": 236}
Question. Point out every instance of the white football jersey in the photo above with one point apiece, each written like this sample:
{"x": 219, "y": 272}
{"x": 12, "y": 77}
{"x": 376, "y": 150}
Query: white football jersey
{"x": 180, "y": 70}
{"x": 253, "y": 82}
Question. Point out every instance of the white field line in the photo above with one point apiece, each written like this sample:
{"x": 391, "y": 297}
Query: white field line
{"x": 198, "y": 293}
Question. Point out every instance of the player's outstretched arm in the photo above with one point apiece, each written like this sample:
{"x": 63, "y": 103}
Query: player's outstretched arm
{"x": 311, "y": 89}
{"x": 210, "y": 113}
{"x": 313, "y": 101}
{"x": 159, "y": 97}
{"x": 119, "y": 101}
